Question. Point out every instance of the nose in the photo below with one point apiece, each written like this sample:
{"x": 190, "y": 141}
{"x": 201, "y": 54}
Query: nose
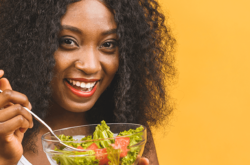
{"x": 88, "y": 62}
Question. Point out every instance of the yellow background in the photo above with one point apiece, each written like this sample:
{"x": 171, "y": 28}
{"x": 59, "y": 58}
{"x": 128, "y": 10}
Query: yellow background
{"x": 211, "y": 123}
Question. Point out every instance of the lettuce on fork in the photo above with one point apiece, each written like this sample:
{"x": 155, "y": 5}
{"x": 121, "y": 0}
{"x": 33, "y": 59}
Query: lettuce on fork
{"x": 68, "y": 139}
{"x": 73, "y": 143}
{"x": 87, "y": 143}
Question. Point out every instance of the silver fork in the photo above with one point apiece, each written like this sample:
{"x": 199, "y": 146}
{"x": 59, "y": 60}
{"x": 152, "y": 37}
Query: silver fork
{"x": 68, "y": 148}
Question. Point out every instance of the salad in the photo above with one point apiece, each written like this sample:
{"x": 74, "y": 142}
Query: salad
{"x": 102, "y": 148}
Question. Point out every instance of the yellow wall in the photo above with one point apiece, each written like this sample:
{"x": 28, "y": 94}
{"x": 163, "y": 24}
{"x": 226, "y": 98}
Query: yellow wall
{"x": 211, "y": 124}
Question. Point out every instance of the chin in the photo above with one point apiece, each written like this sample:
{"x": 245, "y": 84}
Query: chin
{"x": 79, "y": 110}
{"x": 79, "y": 107}
{"x": 72, "y": 106}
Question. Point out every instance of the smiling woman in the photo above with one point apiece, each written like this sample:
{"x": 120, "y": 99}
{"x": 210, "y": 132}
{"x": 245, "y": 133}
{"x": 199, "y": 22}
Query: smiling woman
{"x": 79, "y": 62}
{"x": 87, "y": 52}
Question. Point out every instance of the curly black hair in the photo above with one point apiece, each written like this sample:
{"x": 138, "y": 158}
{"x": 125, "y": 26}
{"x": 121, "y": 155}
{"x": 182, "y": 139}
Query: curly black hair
{"x": 138, "y": 92}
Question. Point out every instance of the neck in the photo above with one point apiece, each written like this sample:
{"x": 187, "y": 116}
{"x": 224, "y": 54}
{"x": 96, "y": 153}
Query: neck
{"x": 58, "y": 118}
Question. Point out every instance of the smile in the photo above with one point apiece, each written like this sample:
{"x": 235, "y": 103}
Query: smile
{"x": 85, "y": 86}
{"x": 81, "y": 88}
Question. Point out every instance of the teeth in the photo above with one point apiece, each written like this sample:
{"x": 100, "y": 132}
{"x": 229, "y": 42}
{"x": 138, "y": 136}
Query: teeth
{"x": 88, "y": 85}
{"x": 83, "y": 85}
{"x": 78, "y": 84}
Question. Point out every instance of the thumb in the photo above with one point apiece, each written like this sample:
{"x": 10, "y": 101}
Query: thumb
{"x": 1, "y": 73}
{"x": 4, "y": 82}
{"x": 143, "y": 161}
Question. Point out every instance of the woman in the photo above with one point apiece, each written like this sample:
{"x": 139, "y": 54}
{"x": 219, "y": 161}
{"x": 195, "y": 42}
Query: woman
{"x": 79, "y": 62}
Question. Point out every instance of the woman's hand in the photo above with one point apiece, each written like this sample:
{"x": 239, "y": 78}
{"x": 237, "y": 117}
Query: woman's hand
{"x": 143, "y": 161}
{"x": 14, "y": 121}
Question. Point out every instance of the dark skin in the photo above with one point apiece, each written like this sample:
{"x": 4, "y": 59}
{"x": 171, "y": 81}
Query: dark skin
{"x": 87, "y": 53}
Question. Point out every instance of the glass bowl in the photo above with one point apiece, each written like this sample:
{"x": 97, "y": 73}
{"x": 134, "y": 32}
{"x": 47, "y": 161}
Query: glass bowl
{"x": 117, "y": 152}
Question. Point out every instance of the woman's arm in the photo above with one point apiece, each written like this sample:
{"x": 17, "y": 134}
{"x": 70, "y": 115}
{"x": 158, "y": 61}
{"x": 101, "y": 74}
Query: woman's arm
{"x": 150, "y": 150}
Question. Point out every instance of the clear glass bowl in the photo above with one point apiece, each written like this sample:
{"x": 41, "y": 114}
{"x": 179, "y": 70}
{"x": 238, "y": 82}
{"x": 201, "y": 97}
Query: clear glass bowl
{"x": 112, "y": 155}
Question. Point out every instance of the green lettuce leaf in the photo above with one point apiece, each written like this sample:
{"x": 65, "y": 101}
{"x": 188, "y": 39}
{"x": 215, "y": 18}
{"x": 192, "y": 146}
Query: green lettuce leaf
{"x": 62, "y": 137}
{"x": 86, "y": 144}
{"x": 101, "y": 132}
{"x": 71, "y": 158}
{"x": 130, "y": 158}
{"x": 113, "y": 155}
{"x": 135, "y": 135}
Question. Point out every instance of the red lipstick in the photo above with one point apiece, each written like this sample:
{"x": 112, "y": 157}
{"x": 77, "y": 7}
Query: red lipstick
{"x": 80, "y": 93}
{"x": 84, "y": 79}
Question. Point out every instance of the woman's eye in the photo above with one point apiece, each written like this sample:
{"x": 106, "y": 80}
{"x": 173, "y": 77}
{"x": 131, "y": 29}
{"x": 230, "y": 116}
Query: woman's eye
{"x": 67, "y": 43}
{"x": 109, "y": 45}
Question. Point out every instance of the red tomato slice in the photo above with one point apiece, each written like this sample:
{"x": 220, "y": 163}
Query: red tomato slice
{"x": 93, "y": 146}
{"x": 122, "y": 143}
{"x": 104, "y": 161}
{"x": 114, "y": 146}
{"x": 79, "y": 147}
{"x": 124, "y": 151}
{"x": 102, "y": 156}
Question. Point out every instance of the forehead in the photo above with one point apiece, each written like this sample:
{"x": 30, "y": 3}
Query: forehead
{"x": 88, "y": 13}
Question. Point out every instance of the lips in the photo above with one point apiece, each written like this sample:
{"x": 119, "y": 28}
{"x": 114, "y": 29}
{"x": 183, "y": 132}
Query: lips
{"x": 82, "y": 87}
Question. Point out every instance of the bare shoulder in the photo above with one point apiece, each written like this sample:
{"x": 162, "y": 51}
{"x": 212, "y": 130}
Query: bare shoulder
{"x": 150, "y": 150}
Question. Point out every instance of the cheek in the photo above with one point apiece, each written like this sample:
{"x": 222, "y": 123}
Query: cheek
{"x": 111, "y": 66}
{"x": 61, "y": 64}
{"x": 63, "y": 61}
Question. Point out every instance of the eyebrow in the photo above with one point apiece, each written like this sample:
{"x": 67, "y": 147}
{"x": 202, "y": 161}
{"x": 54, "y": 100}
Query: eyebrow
{"x": 71, "y": 28}
{"x": 74, "y": 29}
{"x": 111, "y": 31}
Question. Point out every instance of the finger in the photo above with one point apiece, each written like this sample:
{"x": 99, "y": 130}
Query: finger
{"x": 14, "y": 97}
{"x": 22, "y": 130}
{"x": 10, "y": 126}
{"x": 5, "y": 84}
{"x": 15, "y": 110}
{"x": 143, "y": 161}
{"x": 20, "y": 133}
{"x": 1, "y": 73}
{"x": 9, "y": 104}
{"x": 138, "y": 159}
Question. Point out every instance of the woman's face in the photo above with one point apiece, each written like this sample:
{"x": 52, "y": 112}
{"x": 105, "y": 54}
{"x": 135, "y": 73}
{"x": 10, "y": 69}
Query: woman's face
{"x": 87, "y": 58}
